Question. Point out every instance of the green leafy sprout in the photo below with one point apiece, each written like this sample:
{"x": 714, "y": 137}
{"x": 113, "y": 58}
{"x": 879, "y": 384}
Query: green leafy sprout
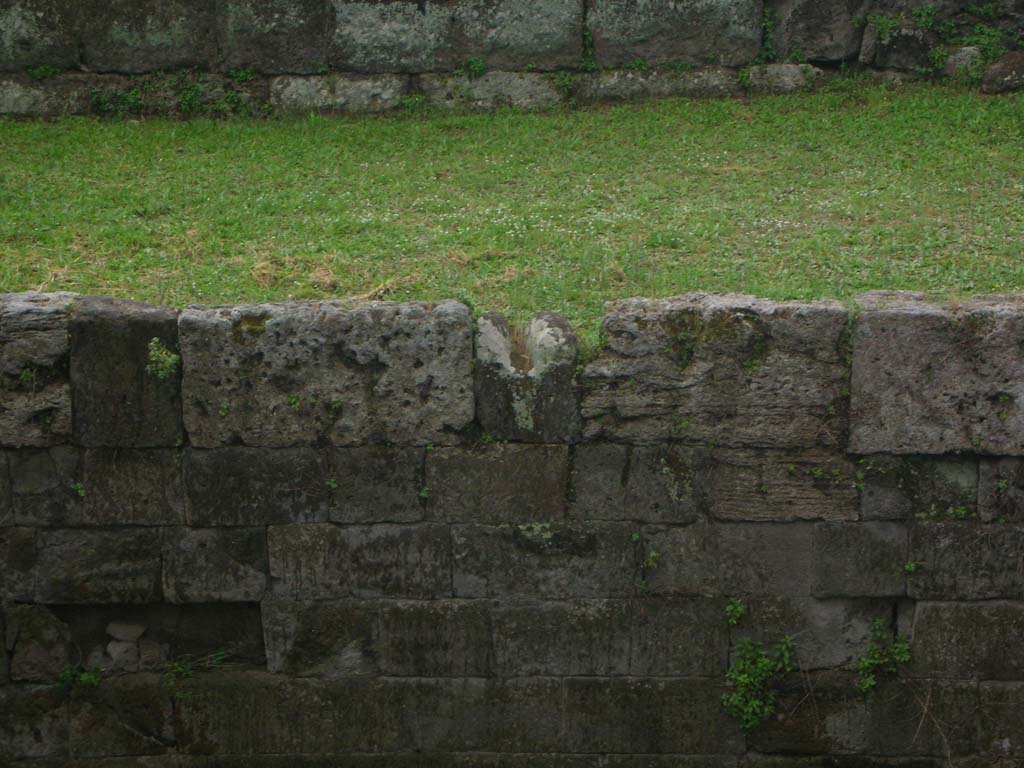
{"x": 752, "y": 676}
{"x": 162, "y": 361}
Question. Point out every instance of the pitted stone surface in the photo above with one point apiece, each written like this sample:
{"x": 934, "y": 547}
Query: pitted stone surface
{"x": 519, "y": 90}
{"x": 820, "y": 31}
{"x": 36, "y": 33}
{"x": 935, "y": 379}
{"x": 338, "y": 93}
{"x": 274, "y": 36}
{"x": 211, "y": 565}
{"x": 277, "y": 375}
{"x": 726, "y": 370}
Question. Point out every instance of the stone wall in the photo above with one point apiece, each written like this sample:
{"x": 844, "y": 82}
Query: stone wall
{"x": 377, "y": 534}
{"x": 249, "y": 56}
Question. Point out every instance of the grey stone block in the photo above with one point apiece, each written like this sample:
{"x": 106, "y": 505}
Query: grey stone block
{"x": 329, "y": 561}
{"x": 599, "y": 476}
{"x": 519, "y": 90}
{"x": 327, "y": 640}
{"x": 438, "y": 638}
{"x": 377, "y": 37}
{"x": 134, "y": 36}
{"x": 860, "y": 559}
{"x": 543, "y": 560}
{"x": 39, "y": 643}
{"x": 35, "y": 407}
{"x": 1005, "y": 75}
{"x": 211, "y": 565}
{"x": 690, "y": 31}
{"x": 502, "y": 483}
{"x": 376, "y": 484}
{"x": 61, "y": 95}
{"x": 277, "y": 375}
{"x": 625, "y": 84}
{"x": 132, "y": 487}
{"x": 37, "y": 33}
{"x": 819, "y": 31}
{"x": 251, "y": 486}
{"x": 730, "y": 371}
{"x": 784, "y": 78}
{"x": 17, "y": 564}
{"x": 922, "y": 487}
{"x": 685, "y": 638}
{"x": 6, "y": 494}
{"x": 119, "y": 398}
{"x": 338, "y": 93}
{"x": 957, "y": 561}
{"x": 275, "y": 36}
{"x": 667, "y": 484}
{"x": 1001, "y": 728}
{"x": 128, "y": 715}
{"x": 81, "y": 566}
{"x": 935, "y": 717}
{"x": 979, "y": 641}
{"x": 33, "y": 722}
{"x": 929, "y": 379}
{"x": 1001, "y": 490}
{"x": 47, "y": 487}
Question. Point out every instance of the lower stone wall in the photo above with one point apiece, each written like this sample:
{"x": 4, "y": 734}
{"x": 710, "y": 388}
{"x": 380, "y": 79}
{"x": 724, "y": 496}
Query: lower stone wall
{"x": 739, "y": 534}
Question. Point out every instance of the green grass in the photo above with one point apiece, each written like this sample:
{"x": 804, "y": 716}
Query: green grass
{"x": 807, "y": 196}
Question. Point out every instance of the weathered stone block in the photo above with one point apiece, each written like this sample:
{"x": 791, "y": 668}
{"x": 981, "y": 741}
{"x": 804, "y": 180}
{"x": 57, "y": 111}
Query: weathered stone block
{"x": 132, "y": 36}
{"x": 667, "y": 484}
{"x": 389, "y": 37}
{"x": 39, "y": 643}
{"x": 81, "y": 566}
{"x": 784, "y": 78}
{"x": 956, "y": 561}
{"x": 819, "y": 31}
{"x": 599, "y": 476}
{"x": 248, "y": 486}
{"x": 497, "y": 483}
{"x": 923, "y": 487}
{"x": 338, "y": 93}
{"x": 687, "y": 638}
{"x": 35, "y": 406}
{"x": 860, "y": 559}
{"x": 781, "y": 486}
{"x": 1001, "y": 728}
{"x": 691, "y": 31}
{"x": 127, "y": 715}
{"x": 6, "y": 494}
{"x": 47, "y": 488}
{"x": 275, "y": 36}
{"x": 122, "y": 396}
{"x": 1005, "y": 75}
{"x": 623, "y": 84}
{"x": 33, "y": 722}
{"x": 37, "y": 33}
{"x": 322, "y": 639}
{"x": 543, "y": 560}
{"x": 983, "y": 641}
{"x": 212, "y": 565}
{"x": 525, "y": 379}
{"x": 330, "y": 561}
{"x": 674, "y": 715}
{"x": 131, "y": 487}
{"x": 930, "y": 379}
{"x": 17, "y": 564}
{"x": 438, "y": 638}
{"x": 935, "y": 717}
{"x": 730, "y": 370}
{"x": 1001, "y": 490}
{"x": 492, "y": 90}
{"x": 376, "y": 484}
{"x": 277, "y": 375}
{"x": 62, "y": 95}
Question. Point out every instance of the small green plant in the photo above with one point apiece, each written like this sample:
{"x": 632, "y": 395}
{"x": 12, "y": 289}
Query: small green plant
{"x": 588, "y": 61}
{"x": 735, "y": 610}
{"x": 74, "y": 677}
{"x": 162, "y": 361}
{"x": 565, "y": 82}
{"x": 752, "y": 676}
{"x": 640, "y": 65}
{"x": 424, "y": 492}
{"x": 744, "y": 78}
{"x": 797, "y": 56}
{"x": 295, "y": 402}
{"x": 884, "y": 653}
{"x": 767, "y": 54}
{"x": 910, "y": 567}
{"x": 1002, "y": 485}
{"x": 986, "y": 11}
{"x": 989, "y": 42}
{"x": 224, "y": 409}
{"x": 110, "y": 102}
{"x": 79, "y": 490}
{"x": 242, "y": 75}
{"x": 474, "y": 68}
{"x": 28, "y": 377}
{"x": 184, "y": 668}
{"x": 412, "y": 102}
{"x": 925, "y": 16}
{"x": 43, "y": 72}
{"x": 332, "y": 485}
{"x": 886, "y": 26}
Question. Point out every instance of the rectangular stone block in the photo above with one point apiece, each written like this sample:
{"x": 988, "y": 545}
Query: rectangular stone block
{"x": 335, "y": 92}
{"x": 933, "y": 379}
{"x": 780, "y": 486}
{"x": 275, "y": 37}
{"x": 691, "y": 32}
{"x": 1001, "y": 490}
{"x": 39, "y": 643}
{"x": 47, "y": 487}
{"x": 215, "y": 565}
{"x": 6, "y": 495}
{"x": 37, "y": 33}
{"x": 542, "y": 560}
{"x": 958, "y": 561}
{"x": 33, "y": 722}
{"x": 276, "y": 375}
{"x": 35, "y": 394}
{"x": 500, "y": 483}
{"x": 635, "y": 715}
{"x": 376, "y": 484}
{"x": 1000, "y": 724}
{"x": 325, "y": 639}
{"x": 17, "y": 564}
{"x": 82, "y": 566}
{"x": 438, "y": 638}
{"x": 931, "y": 488}
{"x": 918, "y": 717}
{"x": 979, "y": 641}
{"x": 128, "y": 715}
{"x": 860, "y": 559}
{"x": 729, "y": 371}
{"x": 112, "y": 487}
{"x": 249, "y": 486}
{"x": 126, "y": 388}
{"x": 687, "y": 638}
{"x": 330, "y": 561}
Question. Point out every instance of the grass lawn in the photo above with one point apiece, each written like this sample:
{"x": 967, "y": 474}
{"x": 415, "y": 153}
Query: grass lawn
{"x": 818, "y": 195}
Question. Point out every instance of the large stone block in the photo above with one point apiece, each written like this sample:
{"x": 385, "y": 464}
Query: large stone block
{"x": 17, "y": 564}
{"x": 1000, "y": 724}
{"x": 82, "y": 566}
{"x": 544, "y": 560}
{"x": 439, "y": 638}
{"x": 210, "y": 565}
{"x": 525, "y": 379}
{"x": 134, "y": 36}
{"x": 38, "y": 642}
{"x": 497, "y": 483}
{"x": 918, "y": 717}
{"x": 123, "y": 397}
{"x": 389, "y": 37}
{"x": 275, "y": 36}
{"x": 63, "y": 95}
{"x": 338, "y": 93}
{"x": 329, "y": 561}
{"x": 33, "y": 722}
{"x": 1001, "y": 490}
{"x": 376, "y": 484}
{"x": 6, "y": 494}
{"x": 624, "y": 84}
{"x": 131, "y": 487}
{"x": 276, "y": 375}
{"x": 980, "y": 641}
{"x": 688, "y": 31}
{"x": 731, "y": 371}
{"x": 933, "y": 379}
{"x": 687, "y": 638}
{"x": 251, "y": 486}
{"x": 326, "y": 639}
{"x": 931, "y": 488}
{"x": 37, "y": 33}
{"x": 819, "y": 31}
{"x": 130, "y": 715}
{"x": 958, "y": 561}
{"x": 860, "y": 559}
{"x": 35, "y": 394}
{"x": 47, "y": 487}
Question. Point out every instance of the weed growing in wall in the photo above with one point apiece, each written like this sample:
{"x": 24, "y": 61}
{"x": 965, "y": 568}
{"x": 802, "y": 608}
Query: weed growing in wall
{"x": 735, "y": 610}
{"x": 883, "y": 655}
{"x": 162, "y": 361}
{"x": 74, "y": 677}
{"x": 752, "y": 676}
